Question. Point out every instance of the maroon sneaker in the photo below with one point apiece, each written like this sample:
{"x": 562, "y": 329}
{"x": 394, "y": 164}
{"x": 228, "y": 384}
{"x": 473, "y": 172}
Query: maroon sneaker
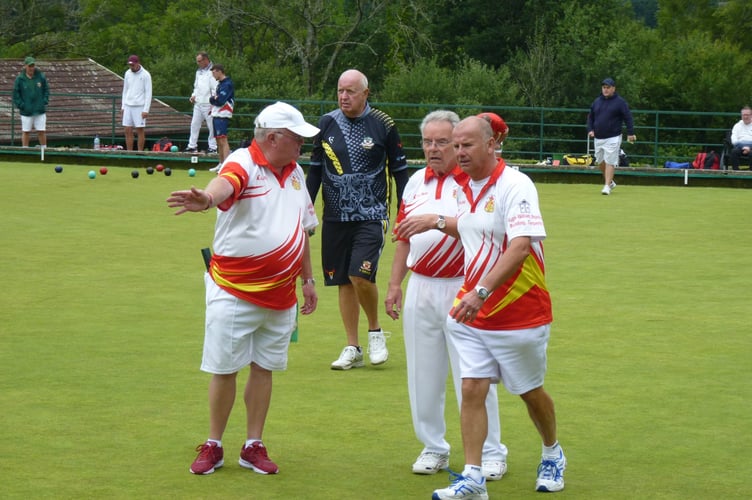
{"x": 255, "y": 457}
{"x": 210, "y": 457}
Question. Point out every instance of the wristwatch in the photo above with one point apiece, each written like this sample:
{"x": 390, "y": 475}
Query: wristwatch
{"x": 440, "y": 223}
{"x": 482, "y": 292}
{"x": 308, "y": 281}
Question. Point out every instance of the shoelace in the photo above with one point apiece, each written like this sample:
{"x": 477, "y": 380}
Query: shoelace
{"x": 378, "y": 341}
{"x": 206, "y": 451}
{"x": 349, "y": 354}
{"x": 549, "y": 469}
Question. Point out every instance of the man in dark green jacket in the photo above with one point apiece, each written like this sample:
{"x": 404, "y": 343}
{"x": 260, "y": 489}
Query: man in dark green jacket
{"x": 31, "y": 93}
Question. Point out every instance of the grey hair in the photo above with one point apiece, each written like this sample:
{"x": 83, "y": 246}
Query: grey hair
{"x": 260, "y": 134}
{"x": 440, "y": 115}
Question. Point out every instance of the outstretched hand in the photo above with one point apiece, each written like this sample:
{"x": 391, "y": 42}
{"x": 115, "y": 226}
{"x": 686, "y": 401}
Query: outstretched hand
{"x": 191, "y": 200}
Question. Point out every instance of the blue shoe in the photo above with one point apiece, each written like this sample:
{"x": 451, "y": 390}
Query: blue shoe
{"x": 462, "y": 487}
{"x": 551, "y": 474}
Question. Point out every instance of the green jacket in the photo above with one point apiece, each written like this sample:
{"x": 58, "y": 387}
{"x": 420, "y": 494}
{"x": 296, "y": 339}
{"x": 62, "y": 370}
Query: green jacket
{"x": 31, "y": 95}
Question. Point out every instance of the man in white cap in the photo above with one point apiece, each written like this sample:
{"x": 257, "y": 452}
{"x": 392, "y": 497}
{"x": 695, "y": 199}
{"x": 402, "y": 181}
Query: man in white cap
{"x": 260, "y": 248}
{"x": 136, "y": 102}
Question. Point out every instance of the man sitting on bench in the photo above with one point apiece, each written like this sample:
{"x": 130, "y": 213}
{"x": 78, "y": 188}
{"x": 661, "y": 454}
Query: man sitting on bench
{"x": 741, "y": 138}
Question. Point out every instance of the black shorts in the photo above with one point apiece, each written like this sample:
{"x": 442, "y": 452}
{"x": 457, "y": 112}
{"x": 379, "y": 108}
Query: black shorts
{"x": 351, "y": 249}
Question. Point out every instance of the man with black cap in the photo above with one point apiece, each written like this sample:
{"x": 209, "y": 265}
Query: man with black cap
{"x": 607, "y": 114}
{"x": 260, "y": 248}
{"x": 136, "y": 102}
{"x": 31, "y": 94}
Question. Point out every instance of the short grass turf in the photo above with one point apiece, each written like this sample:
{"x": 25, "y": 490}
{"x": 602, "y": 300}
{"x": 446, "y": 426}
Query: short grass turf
{"x": 101, "y": 327}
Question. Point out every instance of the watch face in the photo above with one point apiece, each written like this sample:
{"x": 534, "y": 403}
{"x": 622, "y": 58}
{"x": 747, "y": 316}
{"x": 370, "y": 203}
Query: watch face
{"x": 482, "y": 293}
{"x": 441, "y": 223}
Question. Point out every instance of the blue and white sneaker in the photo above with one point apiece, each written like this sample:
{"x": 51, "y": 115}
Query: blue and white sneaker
{"x": 551, "y": 474}
{"x": 462, "y": 487}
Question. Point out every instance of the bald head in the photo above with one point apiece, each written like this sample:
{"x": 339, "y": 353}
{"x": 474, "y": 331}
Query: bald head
{"x": 352, "y": 93}
{"x": 474, "y": 146}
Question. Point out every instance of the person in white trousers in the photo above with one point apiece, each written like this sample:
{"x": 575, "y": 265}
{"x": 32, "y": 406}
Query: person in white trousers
{"x": 203, "y": 85}
{"x": 437, "y": 264}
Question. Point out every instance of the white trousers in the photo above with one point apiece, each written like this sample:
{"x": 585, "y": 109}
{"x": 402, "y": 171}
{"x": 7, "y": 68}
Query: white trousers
{"x": 429, "y": 357}
{"x": 201, "y": 114}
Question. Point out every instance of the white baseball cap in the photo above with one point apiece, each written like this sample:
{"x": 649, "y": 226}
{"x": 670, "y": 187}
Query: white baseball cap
{"x": 282, "y": 115}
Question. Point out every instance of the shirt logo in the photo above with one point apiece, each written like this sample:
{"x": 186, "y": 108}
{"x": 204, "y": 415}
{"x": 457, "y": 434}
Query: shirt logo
{"x": 367, "y": 143}
{"x": 490, "y": 203}
{"x": 296, "y": 184}
{"x": 524, "y": 207}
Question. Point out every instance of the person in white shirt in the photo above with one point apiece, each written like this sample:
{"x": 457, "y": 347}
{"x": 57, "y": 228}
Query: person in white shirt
{"x": 203, "y": 85}
{"x": 741, "y": 137}
{"x": 136, "y": 102}
{"x": 260, "y": 248}
{"x": 437, "y": 264}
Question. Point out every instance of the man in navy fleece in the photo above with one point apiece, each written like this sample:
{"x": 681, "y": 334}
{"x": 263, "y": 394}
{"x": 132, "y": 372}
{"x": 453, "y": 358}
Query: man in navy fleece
{"x": 607, "y": 114}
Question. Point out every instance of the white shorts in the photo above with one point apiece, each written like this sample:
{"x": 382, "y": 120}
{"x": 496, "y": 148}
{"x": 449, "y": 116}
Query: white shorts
{"x": 132, "y": 117}
{"x": 37, "y": 122}
{"x": 607, "y": 150}
{"x": 239, "y": 333}
{"x": 516, "y": 358}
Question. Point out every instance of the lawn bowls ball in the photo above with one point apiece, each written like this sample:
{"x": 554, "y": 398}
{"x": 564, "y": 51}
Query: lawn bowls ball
{"x": 192, "y": 172}
{"x": 92, "y": 174}
{"x": 134, "y": 174}
{"x": 103, "y": 170}
{"x": 174, "y": 149}
{"x": 160, "y": 167}
{"x": 150, "y": 170}
{"x": 58, "y": 169}
{"x": 168, "y": 171}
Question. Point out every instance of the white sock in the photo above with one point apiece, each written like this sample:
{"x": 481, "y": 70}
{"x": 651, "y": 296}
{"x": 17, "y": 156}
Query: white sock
{"x": 473, "y": 472}
{"x": 219, "y": 442}
{"x": 249, "y": 442}
{"x": 551, "y": 451}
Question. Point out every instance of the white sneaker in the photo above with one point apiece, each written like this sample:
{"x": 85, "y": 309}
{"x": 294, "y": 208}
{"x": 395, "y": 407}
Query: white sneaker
{"x": 351, "y": 357}
{"x": 377, "y": 351}
{"x": 216, "y": 169}
{"x": 430, "y": 463}
{"x": 493, "y": 470}
{"x": 612, "y": 185}
{"x": 606, "y": 190}
{"x": 551, "y": 473}
{"x": 462, "y": 487}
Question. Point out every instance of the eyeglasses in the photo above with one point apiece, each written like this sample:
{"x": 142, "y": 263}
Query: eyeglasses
{"x": 440, "y": 143}
{"x": 294, "y": 137}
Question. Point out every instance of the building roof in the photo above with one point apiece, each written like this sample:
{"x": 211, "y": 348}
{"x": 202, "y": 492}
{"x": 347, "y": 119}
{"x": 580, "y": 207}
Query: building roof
{"x": 84, "y": 101}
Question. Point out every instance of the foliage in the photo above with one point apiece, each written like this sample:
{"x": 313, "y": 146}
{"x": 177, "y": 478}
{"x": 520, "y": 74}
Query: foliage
{"x": 547, "y": 53}
{"x": 472, "y": 83}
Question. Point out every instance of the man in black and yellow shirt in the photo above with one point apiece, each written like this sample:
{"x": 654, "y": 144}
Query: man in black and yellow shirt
{"x": 355, "y": 157}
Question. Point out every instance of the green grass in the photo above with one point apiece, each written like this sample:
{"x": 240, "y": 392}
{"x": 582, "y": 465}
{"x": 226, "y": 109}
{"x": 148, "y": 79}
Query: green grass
{"x": 101, "y": 327}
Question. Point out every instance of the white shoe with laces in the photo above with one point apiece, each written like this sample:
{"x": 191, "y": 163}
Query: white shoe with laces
{"x": 377, "y": 351}
{"x": 351, "y": 357}
{"x": 462, "y": 487}
{"x": 430, "y": 463}
{"x": 606, "y": 190}
{"x": 551, "y": 473}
